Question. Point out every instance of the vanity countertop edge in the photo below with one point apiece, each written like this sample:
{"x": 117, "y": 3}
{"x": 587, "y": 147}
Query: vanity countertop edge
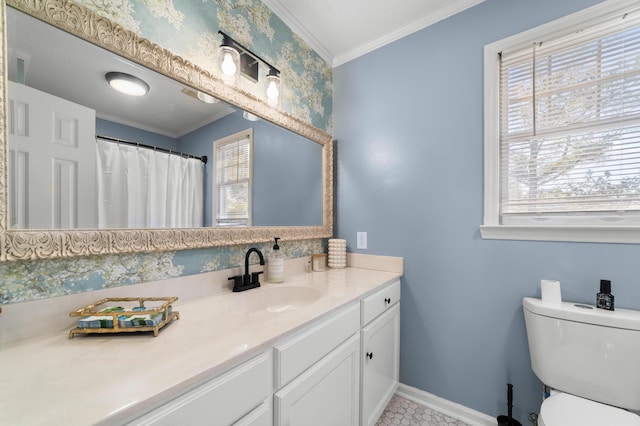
{"x": 112, "y": 379}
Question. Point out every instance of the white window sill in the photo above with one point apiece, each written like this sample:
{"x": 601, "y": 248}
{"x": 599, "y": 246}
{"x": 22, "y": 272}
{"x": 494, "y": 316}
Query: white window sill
{"x": 585, "y": 234}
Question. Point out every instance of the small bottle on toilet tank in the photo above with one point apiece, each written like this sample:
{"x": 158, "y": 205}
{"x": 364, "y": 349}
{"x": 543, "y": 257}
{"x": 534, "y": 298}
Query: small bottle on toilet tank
{"x": 604, "y": 299}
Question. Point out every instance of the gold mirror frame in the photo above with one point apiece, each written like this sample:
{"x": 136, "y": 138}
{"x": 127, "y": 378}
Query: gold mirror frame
{"x": 46, "y": 244}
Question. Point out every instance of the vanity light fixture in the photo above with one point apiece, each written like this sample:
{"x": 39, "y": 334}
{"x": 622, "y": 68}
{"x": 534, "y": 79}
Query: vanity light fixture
{"x": 127, "y": 83}
{"x": 237, "y": 57}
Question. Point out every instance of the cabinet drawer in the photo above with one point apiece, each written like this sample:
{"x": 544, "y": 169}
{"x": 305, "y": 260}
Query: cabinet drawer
{"x": 295, "y": 355}
{"x": 221, "y": 401}
{"x": 380, "y": 301}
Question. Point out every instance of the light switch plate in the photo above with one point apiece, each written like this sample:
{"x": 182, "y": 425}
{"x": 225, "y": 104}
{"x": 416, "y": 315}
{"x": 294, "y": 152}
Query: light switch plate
{"x": 362, "y": 240}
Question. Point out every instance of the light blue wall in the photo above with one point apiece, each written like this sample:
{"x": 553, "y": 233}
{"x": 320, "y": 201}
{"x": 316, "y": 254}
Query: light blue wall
{"x": 287, "y": 180}
{"x": 409, "y": 124}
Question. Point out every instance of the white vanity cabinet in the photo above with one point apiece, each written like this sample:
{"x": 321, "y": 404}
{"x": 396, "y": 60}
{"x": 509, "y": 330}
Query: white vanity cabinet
{"x": 341, "y": 370}
{"x": 318, "y": 374}
{"x": 239, "y": 396}
{"x": 380, "y": 351}
{"x": 232, "y": 359}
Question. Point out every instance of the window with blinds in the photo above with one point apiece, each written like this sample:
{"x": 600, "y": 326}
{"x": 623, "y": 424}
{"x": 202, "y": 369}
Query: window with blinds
{"x": 562, "y": 124}
{"x": 562, "y": 129}
{"x": 233, "y": 177}
{"x": 570, "y": 125}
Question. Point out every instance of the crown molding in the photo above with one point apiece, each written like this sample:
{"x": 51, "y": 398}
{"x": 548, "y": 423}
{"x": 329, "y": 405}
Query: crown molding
{"x": 430, "y": 19}
{"x": 298, "y": 28}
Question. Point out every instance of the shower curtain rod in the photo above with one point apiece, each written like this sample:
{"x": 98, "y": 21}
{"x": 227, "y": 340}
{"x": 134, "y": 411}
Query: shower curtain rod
{"x": 156, "y": 148}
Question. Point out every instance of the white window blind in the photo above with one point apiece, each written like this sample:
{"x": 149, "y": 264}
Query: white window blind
{"x": 233, "y": 178}
{"x": 570, "y": 124}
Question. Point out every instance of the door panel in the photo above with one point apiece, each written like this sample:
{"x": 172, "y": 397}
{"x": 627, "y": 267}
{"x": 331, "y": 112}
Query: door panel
{"x": 52, "y": 171}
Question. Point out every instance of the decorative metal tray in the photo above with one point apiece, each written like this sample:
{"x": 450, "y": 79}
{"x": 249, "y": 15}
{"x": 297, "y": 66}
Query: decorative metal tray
{"x": 119, "y": 319}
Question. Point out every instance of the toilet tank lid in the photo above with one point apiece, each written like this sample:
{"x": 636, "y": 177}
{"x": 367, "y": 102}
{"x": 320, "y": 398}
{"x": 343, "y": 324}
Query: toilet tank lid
{"x": 580, "y": 312}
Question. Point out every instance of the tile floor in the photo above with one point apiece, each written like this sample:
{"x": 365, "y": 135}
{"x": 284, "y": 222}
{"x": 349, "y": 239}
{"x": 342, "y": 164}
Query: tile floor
{"x": 401, "y": 411}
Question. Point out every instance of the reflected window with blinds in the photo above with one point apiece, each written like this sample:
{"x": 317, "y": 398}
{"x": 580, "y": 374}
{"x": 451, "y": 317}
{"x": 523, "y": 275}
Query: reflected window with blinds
{"x": 569, "y": 126}
{"x": 233, "y": 179}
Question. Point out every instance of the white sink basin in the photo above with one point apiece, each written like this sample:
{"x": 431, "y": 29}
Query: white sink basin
{"x": 276, "y": 299}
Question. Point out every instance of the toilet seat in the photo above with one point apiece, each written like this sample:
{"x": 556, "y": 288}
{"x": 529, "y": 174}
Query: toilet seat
{"x": 563, "y": 409}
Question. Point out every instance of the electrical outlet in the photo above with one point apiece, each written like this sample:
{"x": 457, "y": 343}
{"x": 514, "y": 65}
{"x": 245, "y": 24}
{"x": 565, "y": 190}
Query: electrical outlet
{"x": 362, "y": 240}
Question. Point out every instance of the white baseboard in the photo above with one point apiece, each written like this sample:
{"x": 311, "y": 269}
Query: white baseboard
{"x": 452, "y": 409}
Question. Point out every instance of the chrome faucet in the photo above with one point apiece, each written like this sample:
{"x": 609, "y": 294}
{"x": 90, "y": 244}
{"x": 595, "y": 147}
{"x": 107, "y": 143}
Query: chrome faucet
{"x": 248, "y": 281}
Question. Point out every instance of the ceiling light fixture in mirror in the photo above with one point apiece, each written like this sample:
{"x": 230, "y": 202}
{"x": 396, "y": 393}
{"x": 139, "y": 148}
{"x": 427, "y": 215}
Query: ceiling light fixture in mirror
{"x": 127, "y": 83}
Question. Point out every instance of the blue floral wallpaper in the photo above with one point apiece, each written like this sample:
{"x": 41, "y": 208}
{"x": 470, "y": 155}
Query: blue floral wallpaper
{"x": 25, "y": 281}
{"x": 189, "y": 29}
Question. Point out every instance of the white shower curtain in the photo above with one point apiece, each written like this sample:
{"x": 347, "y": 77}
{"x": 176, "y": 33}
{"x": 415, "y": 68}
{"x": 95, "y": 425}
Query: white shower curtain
{"x": 144, "y": 188}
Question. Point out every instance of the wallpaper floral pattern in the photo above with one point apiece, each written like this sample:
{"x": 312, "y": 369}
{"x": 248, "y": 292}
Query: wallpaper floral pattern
{"x": 32, "y": 280}
{"x": 189, "y": 29}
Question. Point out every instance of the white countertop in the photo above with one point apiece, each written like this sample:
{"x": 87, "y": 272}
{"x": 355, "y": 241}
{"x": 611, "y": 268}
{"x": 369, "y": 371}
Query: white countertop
{"x": 111, "y": 379}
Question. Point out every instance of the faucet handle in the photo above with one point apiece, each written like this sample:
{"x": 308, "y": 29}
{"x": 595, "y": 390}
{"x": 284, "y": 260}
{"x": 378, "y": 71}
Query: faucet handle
{"x": 254, "y": 277}
{"x": 237, "y": 282}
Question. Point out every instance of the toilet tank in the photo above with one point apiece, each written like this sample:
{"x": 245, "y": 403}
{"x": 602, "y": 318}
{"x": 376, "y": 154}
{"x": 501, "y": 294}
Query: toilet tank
{"x": 586, "y": 351}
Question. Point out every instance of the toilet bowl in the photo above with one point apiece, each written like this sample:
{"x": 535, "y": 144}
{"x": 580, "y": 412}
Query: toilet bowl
{"x": 563, "y": 409}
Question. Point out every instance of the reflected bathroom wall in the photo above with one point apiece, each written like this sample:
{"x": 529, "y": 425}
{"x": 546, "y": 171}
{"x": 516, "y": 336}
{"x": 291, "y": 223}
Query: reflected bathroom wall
{"x": 287, "y": 180}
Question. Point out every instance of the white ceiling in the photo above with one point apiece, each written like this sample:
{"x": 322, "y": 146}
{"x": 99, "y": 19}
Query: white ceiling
{"x": 342, "y": 30}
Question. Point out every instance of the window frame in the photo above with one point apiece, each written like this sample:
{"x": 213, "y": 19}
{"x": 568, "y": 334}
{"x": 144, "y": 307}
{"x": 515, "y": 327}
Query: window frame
{"x": 248, "y": 133}
{"x": 602, "y": 232}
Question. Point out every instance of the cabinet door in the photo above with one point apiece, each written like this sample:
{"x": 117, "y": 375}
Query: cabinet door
{"x": 380, "y": 362}
{"x": 325, "y": 394}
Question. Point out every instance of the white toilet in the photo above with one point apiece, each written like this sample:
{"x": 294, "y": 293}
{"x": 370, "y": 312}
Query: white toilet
{"x": 590, "y": 357}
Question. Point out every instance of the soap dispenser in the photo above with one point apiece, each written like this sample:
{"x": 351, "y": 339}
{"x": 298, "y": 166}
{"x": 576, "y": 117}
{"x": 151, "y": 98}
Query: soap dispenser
{"x": 276, "y": 264}
{"x": 604, "y": 299}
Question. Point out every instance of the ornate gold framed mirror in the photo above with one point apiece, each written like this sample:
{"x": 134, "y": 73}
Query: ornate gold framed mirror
{"x": 25, "y": 244}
